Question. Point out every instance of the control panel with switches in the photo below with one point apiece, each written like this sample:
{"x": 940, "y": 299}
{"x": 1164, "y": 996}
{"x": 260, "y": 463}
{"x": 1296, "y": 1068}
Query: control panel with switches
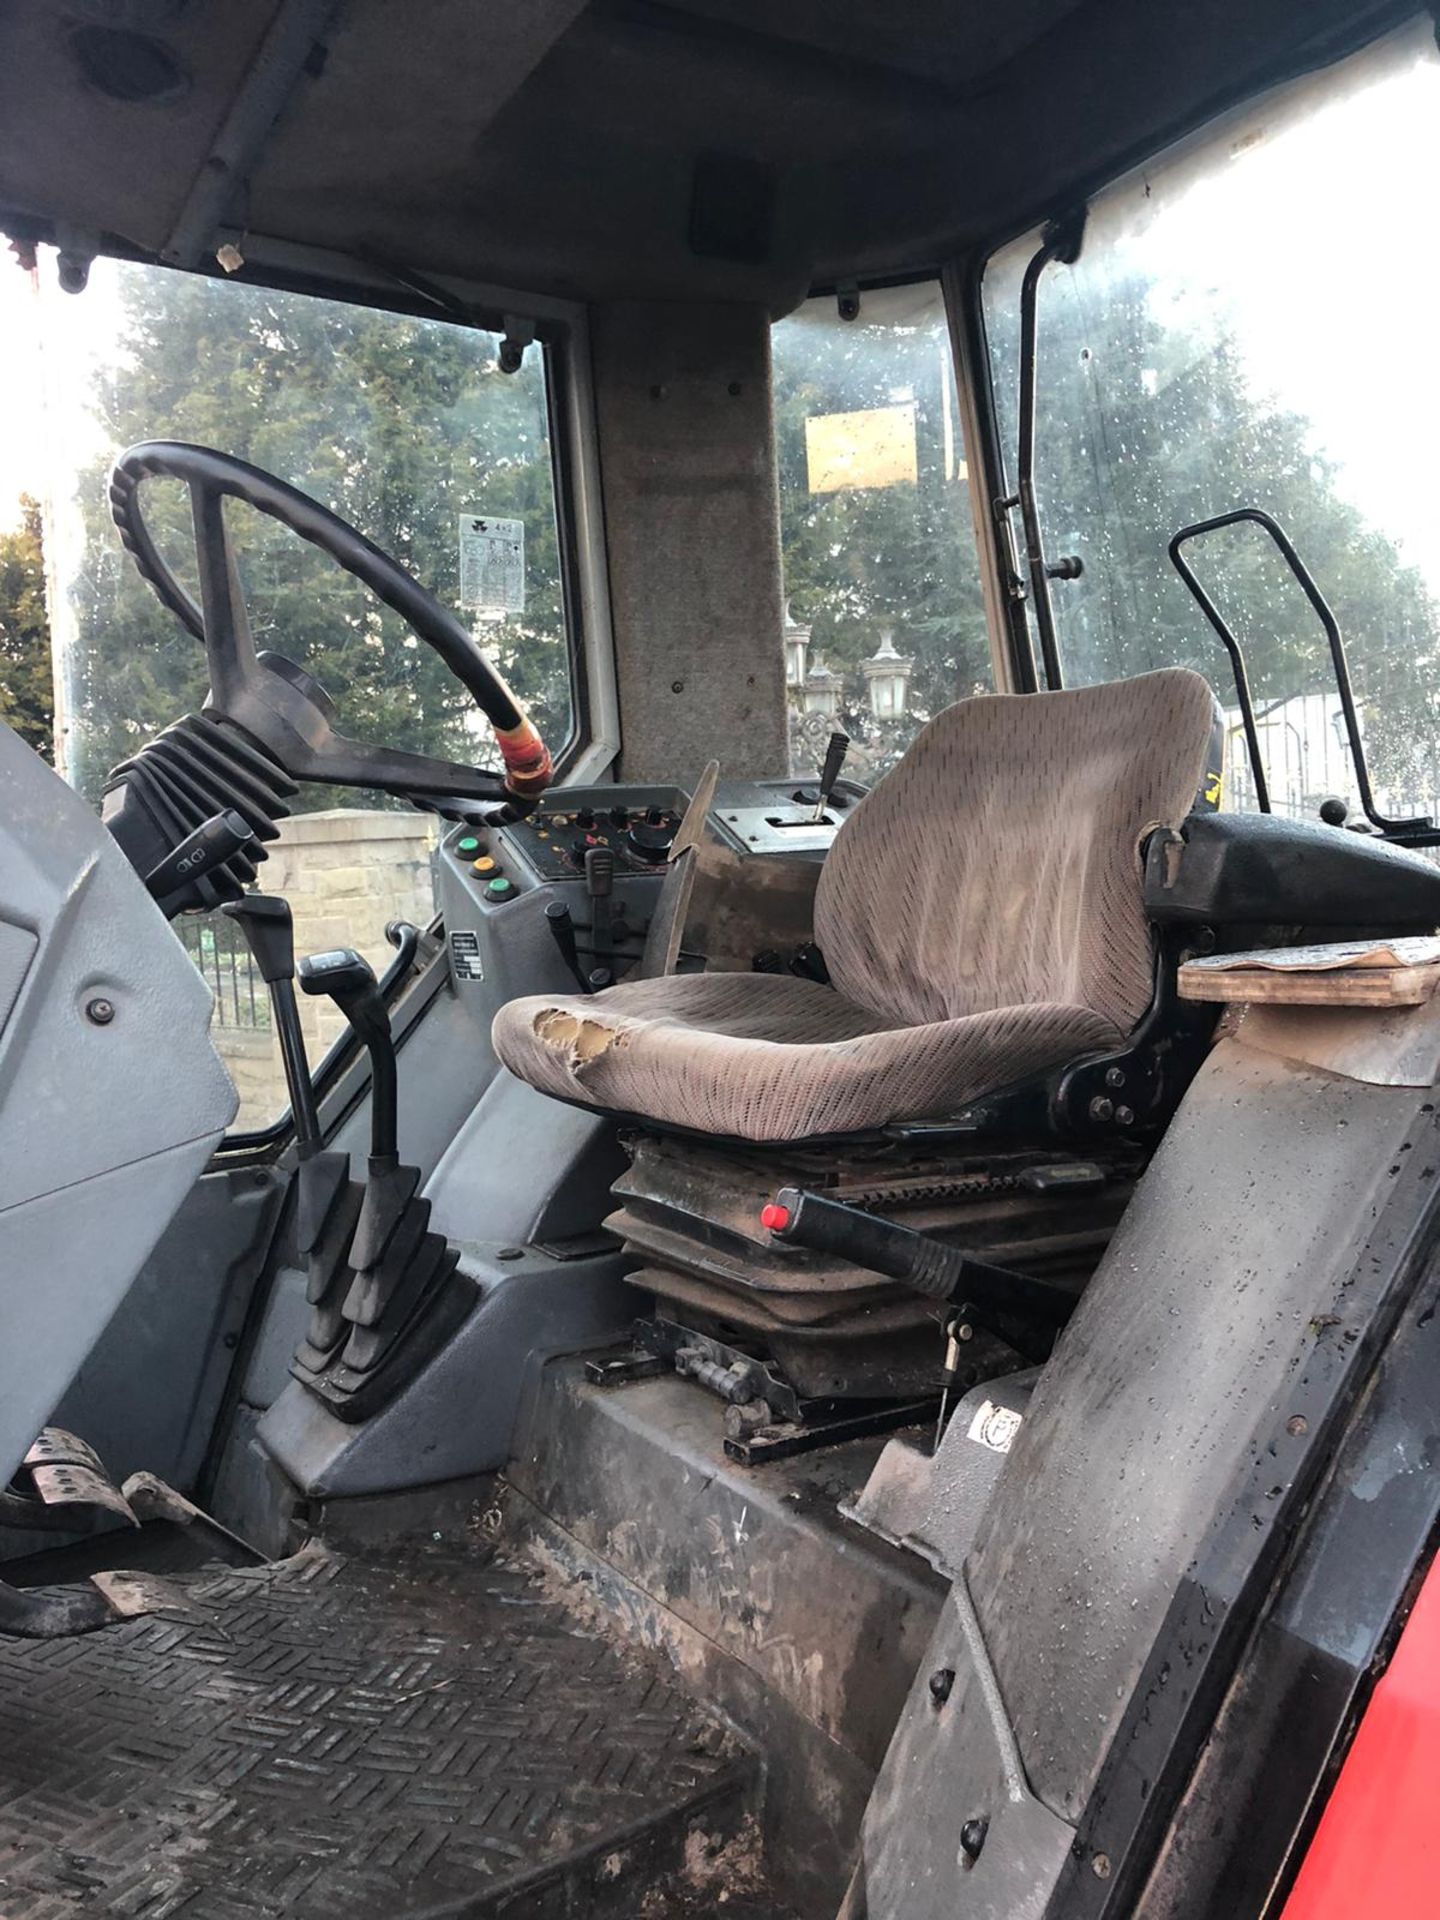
{"x": 555, "y": 841}
{"x": 563, "y": 898}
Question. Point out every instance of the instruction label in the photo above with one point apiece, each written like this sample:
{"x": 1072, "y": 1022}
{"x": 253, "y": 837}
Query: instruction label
{"x": 465, "y": 954}
{"x": 492, "y": 565}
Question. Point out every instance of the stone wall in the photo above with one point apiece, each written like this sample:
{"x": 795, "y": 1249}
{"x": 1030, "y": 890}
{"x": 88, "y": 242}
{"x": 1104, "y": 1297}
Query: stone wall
{"x": 346, "y": 874}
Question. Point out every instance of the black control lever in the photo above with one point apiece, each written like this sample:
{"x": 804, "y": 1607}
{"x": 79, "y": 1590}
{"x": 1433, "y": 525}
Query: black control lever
{"x": 1023, "y": 1311}
{"x": 269, "y": 932}
{"x": 327, "y": 1201}
{"x": 213, "y": 842}
{"x": 830, "y": 770}
{"x": 562, "y": 927}
{"x": 405, "y": 1295}
{"x": 599, "y": 885}
{"x": 345, "y": 977}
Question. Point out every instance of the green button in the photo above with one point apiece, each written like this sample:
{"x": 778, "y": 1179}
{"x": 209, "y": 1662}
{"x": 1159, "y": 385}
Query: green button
{"x": 500, "y": 889}
{"x": 468, "y": 845}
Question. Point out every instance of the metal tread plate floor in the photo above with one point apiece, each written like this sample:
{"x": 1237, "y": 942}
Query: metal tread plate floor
{"x": 421, "y": 1734}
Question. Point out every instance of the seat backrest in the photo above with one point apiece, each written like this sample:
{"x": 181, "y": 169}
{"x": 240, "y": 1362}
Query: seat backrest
{"x": 998, "y": 864}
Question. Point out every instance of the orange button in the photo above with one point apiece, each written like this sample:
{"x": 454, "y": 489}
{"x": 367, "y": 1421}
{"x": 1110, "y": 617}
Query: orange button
{"x": 484, "y": 864}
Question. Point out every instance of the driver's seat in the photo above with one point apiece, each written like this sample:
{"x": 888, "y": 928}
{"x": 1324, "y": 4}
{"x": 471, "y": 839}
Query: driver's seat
{"x": 980, "y": 916}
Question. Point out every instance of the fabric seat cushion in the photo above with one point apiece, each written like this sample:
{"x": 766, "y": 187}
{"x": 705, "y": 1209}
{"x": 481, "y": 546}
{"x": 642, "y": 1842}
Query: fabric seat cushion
{"x": 768, "y": 1057}
{"x": 980, "y": 913}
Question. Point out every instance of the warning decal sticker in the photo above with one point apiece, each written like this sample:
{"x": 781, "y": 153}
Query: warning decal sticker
{"x": 492, "y": 565}
{"x": 995, "y": 1427}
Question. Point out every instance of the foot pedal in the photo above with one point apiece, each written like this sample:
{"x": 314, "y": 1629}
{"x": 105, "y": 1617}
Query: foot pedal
{"x": 152, "y": 1498}
{"x": 105, "y": 1599}
{"x": 60, "y": 1474}
{"x": 111, "y": 1593}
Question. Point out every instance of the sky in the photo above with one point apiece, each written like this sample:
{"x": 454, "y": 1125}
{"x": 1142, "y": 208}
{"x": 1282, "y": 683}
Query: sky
{"x": 1309, "y": 236}
{"x": 1314, "y": 244}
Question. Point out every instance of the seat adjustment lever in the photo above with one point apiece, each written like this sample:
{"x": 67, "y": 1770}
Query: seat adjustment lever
{"x": 1023, "y": 1311}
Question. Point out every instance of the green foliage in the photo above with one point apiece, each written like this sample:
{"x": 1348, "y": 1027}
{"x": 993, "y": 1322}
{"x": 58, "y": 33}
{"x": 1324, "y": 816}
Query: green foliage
{"x": 399, "y": 425}
{"x": 27, "y": 692}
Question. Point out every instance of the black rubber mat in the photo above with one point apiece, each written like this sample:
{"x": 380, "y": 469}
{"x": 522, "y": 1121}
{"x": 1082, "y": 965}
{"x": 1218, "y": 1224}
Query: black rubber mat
{"x": 352, "y": 1740}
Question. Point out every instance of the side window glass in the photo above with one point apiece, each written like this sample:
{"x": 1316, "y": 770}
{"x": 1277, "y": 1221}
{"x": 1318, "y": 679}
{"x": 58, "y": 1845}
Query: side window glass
{"x": 1217, "y": 345}
{"x": 405, "y": 427}
{"x": 886, "y": 621}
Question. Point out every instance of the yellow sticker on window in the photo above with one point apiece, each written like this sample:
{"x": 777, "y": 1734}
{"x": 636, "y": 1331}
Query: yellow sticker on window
{"x": 872, "y": 448}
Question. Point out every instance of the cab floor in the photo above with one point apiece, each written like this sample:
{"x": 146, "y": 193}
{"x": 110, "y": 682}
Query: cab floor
{"x": 419, "y": 1734}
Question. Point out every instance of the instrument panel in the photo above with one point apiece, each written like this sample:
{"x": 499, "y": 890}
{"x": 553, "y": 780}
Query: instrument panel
{"x": 637, "y": 826}
{"x": 563, "y": 898}
{"x": 638, "y": 830}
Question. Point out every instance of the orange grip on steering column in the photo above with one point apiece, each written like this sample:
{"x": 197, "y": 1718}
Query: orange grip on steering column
{"x": 528, "y": 767}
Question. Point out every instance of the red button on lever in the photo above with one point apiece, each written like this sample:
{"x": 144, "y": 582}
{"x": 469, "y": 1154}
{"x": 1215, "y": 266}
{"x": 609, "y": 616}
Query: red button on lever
{"x": 774, "y": 1217}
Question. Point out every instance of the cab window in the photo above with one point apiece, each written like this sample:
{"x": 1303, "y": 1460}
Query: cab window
{"x": 1242, "y": 328}
{"x": 885, "y": 621}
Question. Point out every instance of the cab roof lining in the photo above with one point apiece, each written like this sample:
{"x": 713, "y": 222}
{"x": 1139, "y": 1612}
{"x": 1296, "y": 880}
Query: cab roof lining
{"x": 603, "y": 149}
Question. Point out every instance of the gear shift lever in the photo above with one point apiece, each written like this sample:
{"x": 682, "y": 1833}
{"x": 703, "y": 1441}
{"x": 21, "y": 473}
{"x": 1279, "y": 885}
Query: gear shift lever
{"x": 343, "y": 976}
{"x": 327, "y": 1201}
{"x": 401, "y": 1270}
{"x": 835, "y": 754}
{"x": 269, "y": 932}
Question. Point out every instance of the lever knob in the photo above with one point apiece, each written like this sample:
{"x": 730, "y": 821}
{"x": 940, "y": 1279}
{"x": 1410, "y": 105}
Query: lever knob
{"x": 266, "y": 923}
{"x": 651, "y": 839}
{"x": 339, "y": 971}
{"x": 213, "y": 842}
{"x": 834, "y": 759}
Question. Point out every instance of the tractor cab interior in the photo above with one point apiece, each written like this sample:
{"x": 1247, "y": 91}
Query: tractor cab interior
{"x": 642, "y": 1275}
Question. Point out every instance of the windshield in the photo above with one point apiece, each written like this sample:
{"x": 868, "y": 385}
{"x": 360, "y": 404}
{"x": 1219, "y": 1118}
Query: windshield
{"x": 402, "y": 426}
{"x": 1250, "y": 326}
{"x": 408, "y": 429}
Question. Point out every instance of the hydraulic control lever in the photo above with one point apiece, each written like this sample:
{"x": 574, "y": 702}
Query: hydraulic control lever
{"x": 1023, "y": 1311}
{"x": 404, "y": 1295}
{"x": 269, "y": 932}
{"x": 830, "y": 770}
{"x": 344, "y": 976}
{"x": 836, "y": 749}
{"x": 562, "y": 927}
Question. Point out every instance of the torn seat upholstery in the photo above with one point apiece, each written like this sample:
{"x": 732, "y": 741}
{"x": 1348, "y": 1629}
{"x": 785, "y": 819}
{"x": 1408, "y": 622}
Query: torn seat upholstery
{"x": 980, "y": 915}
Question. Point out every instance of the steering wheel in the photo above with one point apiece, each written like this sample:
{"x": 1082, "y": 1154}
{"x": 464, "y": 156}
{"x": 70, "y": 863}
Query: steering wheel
{"x": 278, "y": 703}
